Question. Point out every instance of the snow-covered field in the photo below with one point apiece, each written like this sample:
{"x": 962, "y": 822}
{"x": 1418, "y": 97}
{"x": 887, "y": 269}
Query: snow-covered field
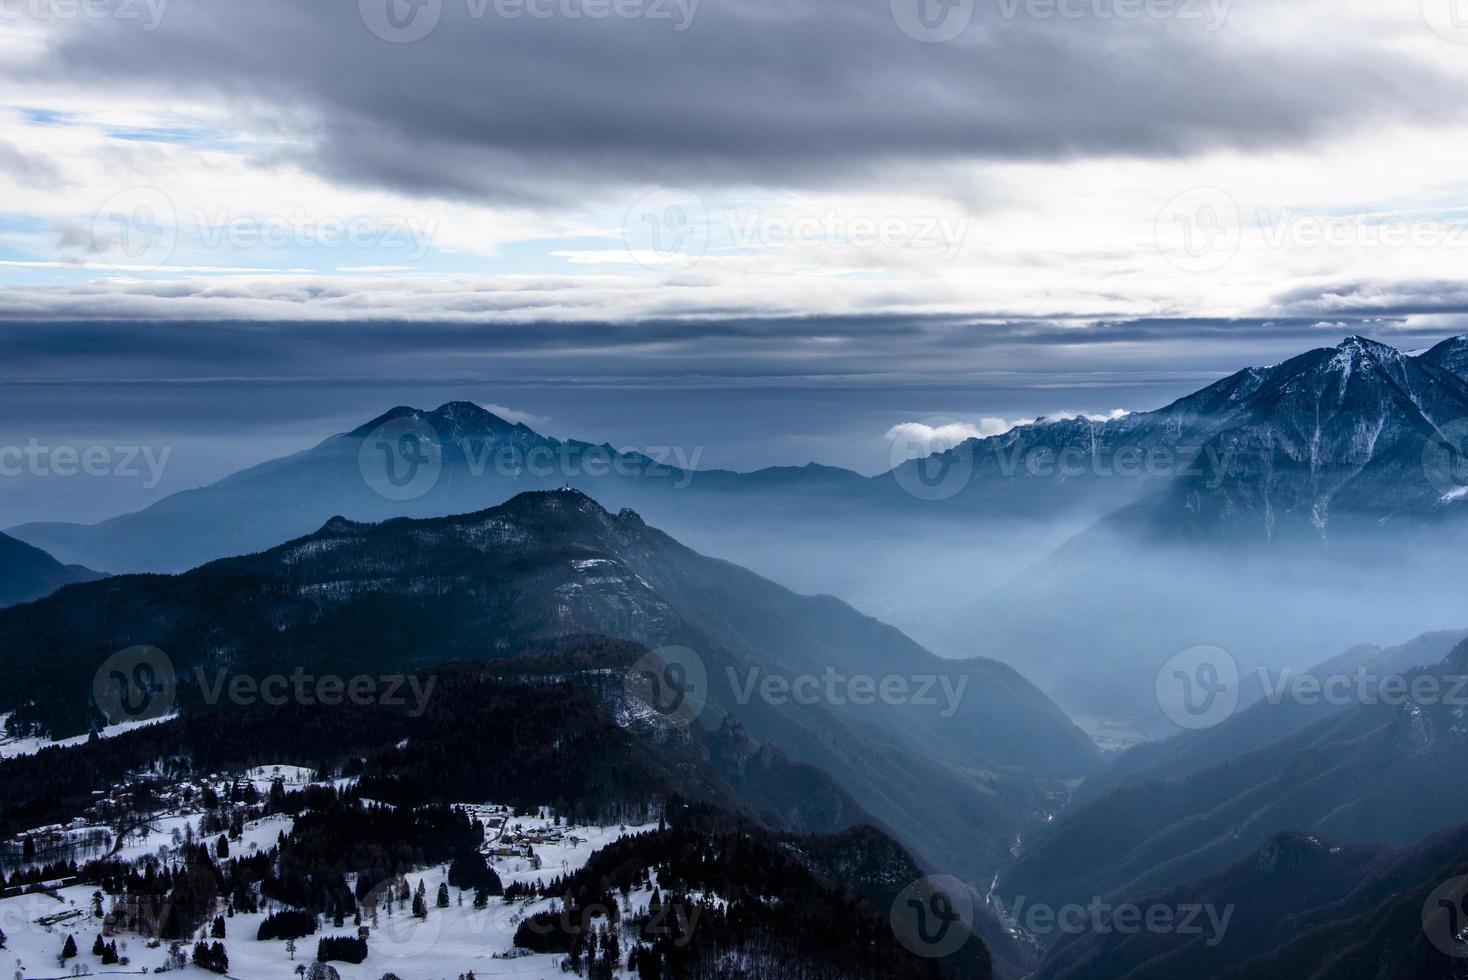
{"x": 450, "y": 942}
{"x": 11, "y": 748}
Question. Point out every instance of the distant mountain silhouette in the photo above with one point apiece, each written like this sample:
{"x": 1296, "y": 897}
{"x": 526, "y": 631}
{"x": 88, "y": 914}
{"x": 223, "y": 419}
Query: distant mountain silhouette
{"x": 28, "y": 573}
{"x": 1385, "y": 770}
{"x": 1298, "y": 908}
{"x": 1089, "y": 551}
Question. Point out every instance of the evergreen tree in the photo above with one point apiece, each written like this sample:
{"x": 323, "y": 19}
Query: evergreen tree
{"x": 443, "y": 896}
{"x": 68, "y": 949}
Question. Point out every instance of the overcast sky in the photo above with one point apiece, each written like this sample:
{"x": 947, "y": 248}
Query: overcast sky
{"x": 1028, "y": 205}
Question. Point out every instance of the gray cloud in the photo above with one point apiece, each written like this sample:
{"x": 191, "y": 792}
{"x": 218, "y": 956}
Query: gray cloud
{"x": 803, "y": 351}
{"x": 754, "y": 91}
{"x": 1414, "y": 298}
{"x": 29, "y": 169}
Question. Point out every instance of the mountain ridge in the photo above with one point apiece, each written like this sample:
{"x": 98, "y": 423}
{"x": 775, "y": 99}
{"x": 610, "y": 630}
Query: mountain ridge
{"x": 28, "y": 573}
{"x": 357, "y": 597}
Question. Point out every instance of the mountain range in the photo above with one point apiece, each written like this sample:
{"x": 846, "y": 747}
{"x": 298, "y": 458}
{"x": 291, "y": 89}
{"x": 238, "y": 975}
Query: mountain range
{"x": 1298, "y": 908}
{"x": 1344, "y": 777}
{"x": 1334, "y": 436}
{"x": 973, "y": 757}
{"x": 1280, "y": 513}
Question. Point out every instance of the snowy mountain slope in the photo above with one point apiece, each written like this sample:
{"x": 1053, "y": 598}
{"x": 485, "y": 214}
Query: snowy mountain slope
{"x": 957, "y": 765}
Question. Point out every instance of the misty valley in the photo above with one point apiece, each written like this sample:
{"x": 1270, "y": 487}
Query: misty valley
{"x": 373, "y": 707}
{"x": 733, "y": 489}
